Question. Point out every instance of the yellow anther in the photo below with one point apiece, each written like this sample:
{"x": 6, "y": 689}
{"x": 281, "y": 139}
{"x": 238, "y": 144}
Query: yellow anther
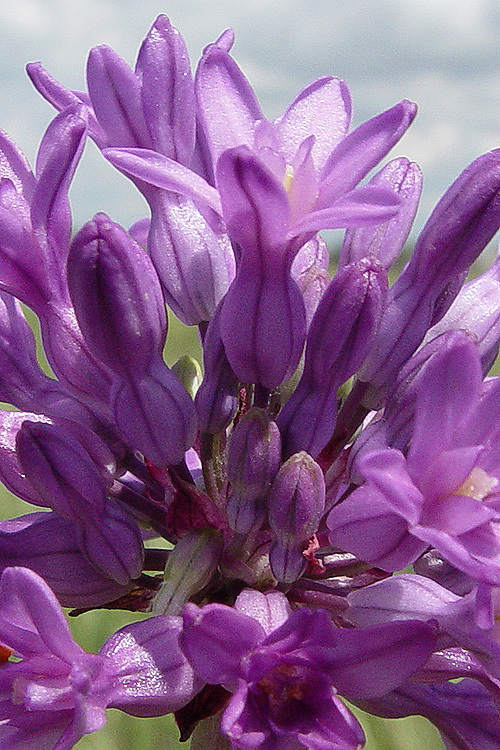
{"x": 477, "y": 485}
{"x": 288, "y": 178}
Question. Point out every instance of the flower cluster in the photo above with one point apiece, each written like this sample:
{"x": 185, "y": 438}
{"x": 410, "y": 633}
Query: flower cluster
{"x": 342, "y": 429}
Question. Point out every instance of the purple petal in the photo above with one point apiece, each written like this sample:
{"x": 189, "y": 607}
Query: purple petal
{"x": 482, "y": 423}
{"x": 225, "y": 41}
{"x": 57, "y": 159}
{"x": 339, "y": 726}
{"x": 460, "y": 226}
{"x": 314, "y": 253}
{"x": 387, "y": 470}
{"x": 476, "y": 553}
{"x": 113, "y": 544}
{"x": 153, "y": 676}
{"x": 362, "y": 149}
{"x": 462, "y": 223}
{"x": 14, "y": 166}
{"x": 215, "y": 639}
{"x": 66, "y": 478}
{"x": 296, "y": 499}
{"x": 338, "y": 340}
{"x": 322, "y": 109}
{"x": 464, "y": 713}
{"x": 11, "y": 472}
{"x": 21, "y": 379}
{"x": 416, "y": 597}
{"x": 195, "y": 265}
{"x": 270, "y": 610}
{"x": 371, "y": 662}
{"x": 117, "y": 296}
{"x": 139, "y": 231}
{"x": 303, "y": 188}
{"x": 61, "y": 471}
{"x": 402, "y": 597}
{"x": 69, "y": 356}
{"x": 364, "y": 525}
{"x": 165, "y": 173}
{"x": 449, "y": 387}
{"x": 156, "y": 415}
{"x": 60, "y": 97}
{"x": 313, "y": 284}
{"x": 476, "y": 310}
{"x": 386, "y": 241}
{"x": 262, "y": 318}
{"x": 229, "y": 108}
{"x": 217, "y": 397}
{"x": 53, "y": 735}
{"x": 167, "y": 91}
{"x": 255, "y": 203}
{"x": 116, "y": 97}
{"x": 360, "y": 207}
{"x": 47, "y": 545}
{"x": 447, "y": 473}
{"x": 253, "y": 460}
{"x": 23, "y": 267}
{"x": 296, "y": 503}
{"x": 31, "y": 619}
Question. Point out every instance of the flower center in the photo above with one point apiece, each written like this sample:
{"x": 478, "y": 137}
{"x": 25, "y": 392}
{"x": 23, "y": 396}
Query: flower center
{"x": 288, "y": 178}
{"x": 477, "y": 485}
{"x": 282, "y": 684}
{"x": 285, "y": 692}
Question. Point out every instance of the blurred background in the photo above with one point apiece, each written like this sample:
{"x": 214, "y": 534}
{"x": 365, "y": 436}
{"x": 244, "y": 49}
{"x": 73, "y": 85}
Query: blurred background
{"x": 443, "y": 54}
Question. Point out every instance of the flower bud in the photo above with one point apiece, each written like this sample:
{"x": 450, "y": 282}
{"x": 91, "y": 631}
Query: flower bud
{"x": 117, "y": 297}
{"x": 254, "y": 457}
{"x": 262, "y": 317}
{"x": 191, "y": 565}
{"x": 339, "y": 337}
{"x": 188, "y": 371}
{"x": 156, "y": 415}
{"x": 68, "y": 481}
{"x": 461, "y": 225}
{"x": 386, "y": 240}
{"x": 296, "y": 504}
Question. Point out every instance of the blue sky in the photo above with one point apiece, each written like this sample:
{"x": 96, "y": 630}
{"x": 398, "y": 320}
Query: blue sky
{"x": 443, "y": 54}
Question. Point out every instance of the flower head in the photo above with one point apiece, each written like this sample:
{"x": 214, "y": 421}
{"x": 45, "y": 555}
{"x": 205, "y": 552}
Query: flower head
{"x": 318, "y": 442}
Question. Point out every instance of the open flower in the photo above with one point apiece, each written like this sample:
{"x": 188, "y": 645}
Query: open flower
{"x": 285, "y": 669}
{"x": 445, "y": 492}
{"x": 55, "y": 692}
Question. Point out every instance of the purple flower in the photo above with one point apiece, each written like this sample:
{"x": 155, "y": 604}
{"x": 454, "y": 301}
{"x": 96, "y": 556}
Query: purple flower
{"x": 120, "y": 307}
{"x": 54, "y": 692}
{"x": 463, "y": 713}
{"x": 48, "y": 545}
{"x": 461, "y": 225}
{"x": 307, "y": 149}
{"x": 153, "y": 107}
{"x": 444, "y": 493}
{"x": 269, "y": 471}
{"x": 285, "y": 670}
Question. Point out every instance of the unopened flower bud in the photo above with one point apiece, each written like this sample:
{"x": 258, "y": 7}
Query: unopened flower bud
{"x": 296, "y": 504}
{"x": 254, "y": 456}
{"x": 117, "y": 297}
{"x": 190, "y": 567}
{"x": 338, "y": 340}
{"x": 188, "y": 371}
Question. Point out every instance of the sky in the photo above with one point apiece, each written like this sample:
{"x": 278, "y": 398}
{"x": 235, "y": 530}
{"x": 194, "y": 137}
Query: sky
{"x": 442, "y": 54}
